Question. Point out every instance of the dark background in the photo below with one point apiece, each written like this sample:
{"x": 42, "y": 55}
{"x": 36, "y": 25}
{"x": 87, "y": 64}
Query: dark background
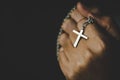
{"x": 29, "y": 32}
{"x": 28, "y": 39}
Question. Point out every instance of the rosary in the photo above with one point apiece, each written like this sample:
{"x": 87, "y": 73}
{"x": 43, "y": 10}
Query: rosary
{"x": 80, "y": 34}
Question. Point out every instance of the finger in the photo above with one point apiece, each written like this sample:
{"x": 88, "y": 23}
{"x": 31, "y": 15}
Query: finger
{"x": 66, "y": 44}
{"x": 114, "y": 30}
{"x": 90, "y": 31}
{"x": 80, "y": 24}
{"x": 64, "y": 41}
{"x": 109, "y": 25}
{"x": 63, "y": 62}
{"x": 68, "y": 26}
{"x": 76, "y": 16}
{"x": 61, "y": 50}
{"x": 94, "y": 12}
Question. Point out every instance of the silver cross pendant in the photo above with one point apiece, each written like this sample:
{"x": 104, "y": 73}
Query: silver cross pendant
{"x": 80, "y": 34}
{"x": 90, "y": 20}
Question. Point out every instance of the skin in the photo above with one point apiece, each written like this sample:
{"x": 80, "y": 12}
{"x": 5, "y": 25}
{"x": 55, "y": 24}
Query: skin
{"x": 88, "y": 60}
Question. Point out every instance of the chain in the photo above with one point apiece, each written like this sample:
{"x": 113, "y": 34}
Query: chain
{"x": 90, "y": 20}
{"x": 61, "y": 31}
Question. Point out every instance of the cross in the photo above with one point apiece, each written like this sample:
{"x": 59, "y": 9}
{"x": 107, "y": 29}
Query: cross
{"x": 79, "y": 36}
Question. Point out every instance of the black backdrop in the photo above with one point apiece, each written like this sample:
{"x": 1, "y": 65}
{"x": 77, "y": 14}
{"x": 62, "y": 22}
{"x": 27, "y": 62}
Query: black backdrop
{"x": 29, "y": 50}
{"x": 30, "y": 32}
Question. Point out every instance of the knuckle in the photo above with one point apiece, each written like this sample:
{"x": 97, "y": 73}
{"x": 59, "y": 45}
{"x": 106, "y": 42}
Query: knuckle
{"x": 65, "y": 25}
{"x": 60, "y": 56}
{"x": 73, "y": 13}
{"x": 88, "y": 56}
{"x": 68, "y": 26}
{"x": 101, "y": 46}
{"x": 62, "y": 38}
{"x": 80, "y": 63}
{"x": 84, "y": 62}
